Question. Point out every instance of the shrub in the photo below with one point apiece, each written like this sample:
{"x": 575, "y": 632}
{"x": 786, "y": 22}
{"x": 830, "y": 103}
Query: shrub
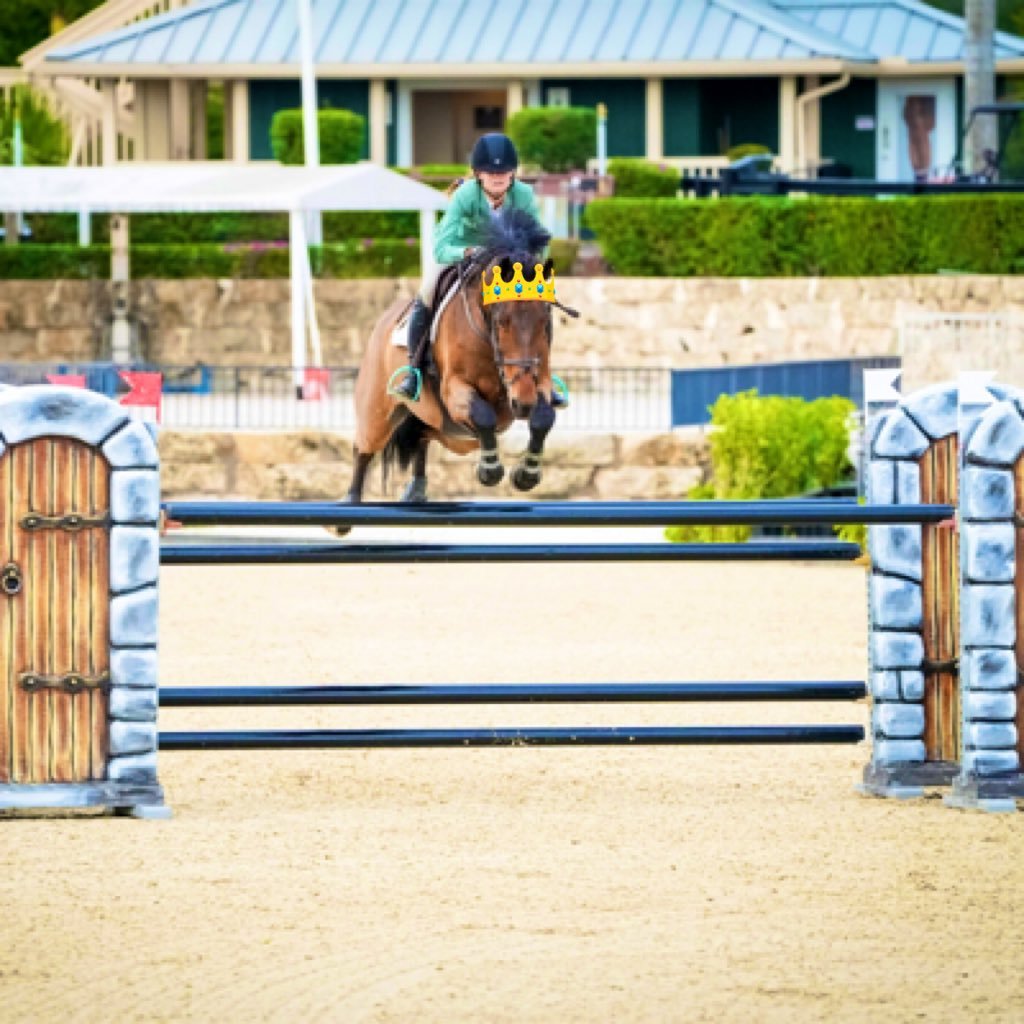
{"x": 341, "y": 132}
{"x": 564, "y": 251}
{"x": 640, "y": 179}
{"x": 771, "y": 447}
{"x": 827, "y": 236}
{"x": 366, "y": 258}
{"x": 556, "y": 139}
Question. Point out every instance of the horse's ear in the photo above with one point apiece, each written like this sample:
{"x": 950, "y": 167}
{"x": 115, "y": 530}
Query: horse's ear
{"x": 549, "y": 266}
{"x": 507, "y": 270}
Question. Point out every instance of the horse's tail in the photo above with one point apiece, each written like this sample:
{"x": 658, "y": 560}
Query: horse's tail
{"x": 401, "y": 448}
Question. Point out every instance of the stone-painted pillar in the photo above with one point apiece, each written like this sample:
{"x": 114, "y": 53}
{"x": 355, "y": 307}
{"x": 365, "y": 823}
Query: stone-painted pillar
{"x": 120, "y": 771}
{"x": 897, "y": 433}
{"x": 992, "y": 432}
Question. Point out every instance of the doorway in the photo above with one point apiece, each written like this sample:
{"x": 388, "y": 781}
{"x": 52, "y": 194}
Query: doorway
{"x": 916, "y": 129}
{"x": 447, "y": 123}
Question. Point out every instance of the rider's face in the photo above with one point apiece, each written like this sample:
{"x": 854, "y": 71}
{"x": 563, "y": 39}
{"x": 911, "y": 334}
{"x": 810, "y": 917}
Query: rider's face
{"x": 496, "y": 185}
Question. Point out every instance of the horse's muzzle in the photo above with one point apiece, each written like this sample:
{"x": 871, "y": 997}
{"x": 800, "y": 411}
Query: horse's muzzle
{"x": 521, "y": 410}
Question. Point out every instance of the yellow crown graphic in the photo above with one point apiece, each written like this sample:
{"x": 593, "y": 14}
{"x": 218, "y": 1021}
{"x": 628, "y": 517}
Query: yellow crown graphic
{"x": 518, "y": 289}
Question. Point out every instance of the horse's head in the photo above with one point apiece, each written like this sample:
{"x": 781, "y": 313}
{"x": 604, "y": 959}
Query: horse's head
{"x": 520, "y": 331}
{"x": 521, "y": 337}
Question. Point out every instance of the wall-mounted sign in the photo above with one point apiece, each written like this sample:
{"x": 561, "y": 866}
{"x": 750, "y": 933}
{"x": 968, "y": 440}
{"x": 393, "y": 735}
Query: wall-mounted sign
{"x": 864, "y": 123}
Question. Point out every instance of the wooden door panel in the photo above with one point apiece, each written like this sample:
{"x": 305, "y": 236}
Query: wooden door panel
{"x": 940, "y": 557}
{"x": 58, "y": 625}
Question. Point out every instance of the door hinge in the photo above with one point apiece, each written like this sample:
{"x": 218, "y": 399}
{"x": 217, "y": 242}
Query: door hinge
{"x": 71, "y": 521}
{"x": 70, "y": 682}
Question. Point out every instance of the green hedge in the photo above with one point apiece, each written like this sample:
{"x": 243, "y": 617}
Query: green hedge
{"x": 827, "y": 236}
{"x": 340, "y": 133}
{"x": 768, "y": 446}
{"x": 191, "y": 228}
{"x": 369, "y": 258}
{"x": 641, "y": 179}
{"x": 556, "y": 139}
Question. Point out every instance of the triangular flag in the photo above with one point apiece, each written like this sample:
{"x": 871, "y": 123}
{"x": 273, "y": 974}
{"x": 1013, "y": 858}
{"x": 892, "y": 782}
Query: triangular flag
{"x": 146, "y": 389}
{"x": 66, "y": 380}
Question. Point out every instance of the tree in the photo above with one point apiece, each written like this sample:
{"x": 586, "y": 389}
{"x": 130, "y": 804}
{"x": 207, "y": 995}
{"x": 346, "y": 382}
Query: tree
{"x": 24, "y": 23}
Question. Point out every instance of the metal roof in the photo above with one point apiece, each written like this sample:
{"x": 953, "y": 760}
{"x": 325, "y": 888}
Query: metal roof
{"x": 432, "y": 32}
{"x": 211, "y": 187}
{"x": 910, "y": 29}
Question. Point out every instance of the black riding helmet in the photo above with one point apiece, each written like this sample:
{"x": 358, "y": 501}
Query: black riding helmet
{"x": 494, "y": 152}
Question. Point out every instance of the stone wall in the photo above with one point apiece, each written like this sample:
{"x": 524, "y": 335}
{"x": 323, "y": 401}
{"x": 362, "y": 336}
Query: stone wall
{"x": 624, "y": 322}
{"x": 318, "y": 466}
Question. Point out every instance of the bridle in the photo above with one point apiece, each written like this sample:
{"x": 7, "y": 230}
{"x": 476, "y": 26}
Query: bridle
{"x": 522, "y": 367}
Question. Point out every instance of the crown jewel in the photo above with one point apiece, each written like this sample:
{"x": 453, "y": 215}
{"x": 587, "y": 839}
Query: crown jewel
{"x": 537, "y": 289}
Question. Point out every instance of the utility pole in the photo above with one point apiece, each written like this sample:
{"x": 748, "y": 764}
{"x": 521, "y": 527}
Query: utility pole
{"x": 980, "y": 80}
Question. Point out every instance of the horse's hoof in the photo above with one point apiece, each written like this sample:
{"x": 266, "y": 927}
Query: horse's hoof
{"x": 490, "y": 476}
{"x": 524, "y": 478}
{"x": 415, "y": 491}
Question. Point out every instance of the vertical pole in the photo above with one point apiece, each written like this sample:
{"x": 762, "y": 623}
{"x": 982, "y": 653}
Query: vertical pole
{"x": 980, "y": 79}
{"x": 240, "y": 121}
{"x": 602, "y": 140}
{"x": 310, "y": 129}
{"x": 121, "y": 348}
{"x": 297, "y": 253}
{"x": 84, "y": 227}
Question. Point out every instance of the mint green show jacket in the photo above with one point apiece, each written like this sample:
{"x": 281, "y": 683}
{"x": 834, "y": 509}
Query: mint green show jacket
{"x": 465, "y": 221}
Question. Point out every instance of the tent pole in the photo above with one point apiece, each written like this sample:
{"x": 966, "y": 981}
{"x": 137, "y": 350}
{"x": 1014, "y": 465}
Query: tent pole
{"x": 298, "y": 258}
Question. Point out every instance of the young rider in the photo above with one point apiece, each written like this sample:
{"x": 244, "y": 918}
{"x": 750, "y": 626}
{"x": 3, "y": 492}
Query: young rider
{"x": 492, "y": 188}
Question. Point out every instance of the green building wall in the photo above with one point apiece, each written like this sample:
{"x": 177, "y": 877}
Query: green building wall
{"x": 626, "y": 99}
{"x": 268, "y": 96}
{"x": 705, "y": 116}
{"x": 841, "y": 141}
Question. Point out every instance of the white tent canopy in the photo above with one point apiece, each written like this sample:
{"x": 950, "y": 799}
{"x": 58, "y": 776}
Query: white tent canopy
{"x": 211, "y": 187}
{"x": 223, "y": 187}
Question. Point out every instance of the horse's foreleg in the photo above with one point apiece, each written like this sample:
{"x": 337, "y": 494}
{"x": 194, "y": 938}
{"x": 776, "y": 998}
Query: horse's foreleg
{"x": 528, "y": 472}
{"x": 361, "y": 463}
{"x": 489, "y": 469}
{"x": 416, "y": 489}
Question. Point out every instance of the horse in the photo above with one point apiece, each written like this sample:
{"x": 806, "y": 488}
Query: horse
{"x": 490, "y": 367}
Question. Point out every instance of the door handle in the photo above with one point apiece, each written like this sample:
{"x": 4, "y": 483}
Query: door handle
{"x": 10, "y": 579}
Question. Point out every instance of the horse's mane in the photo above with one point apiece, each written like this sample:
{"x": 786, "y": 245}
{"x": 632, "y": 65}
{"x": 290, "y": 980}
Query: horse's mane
{"x": 514, "y": 234}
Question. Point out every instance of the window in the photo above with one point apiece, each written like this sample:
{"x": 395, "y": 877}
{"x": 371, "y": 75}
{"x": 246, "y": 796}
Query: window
{"x": 558, "y": 95}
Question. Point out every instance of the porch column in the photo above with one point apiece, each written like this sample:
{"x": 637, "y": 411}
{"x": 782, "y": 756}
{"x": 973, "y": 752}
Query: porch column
{"x": 180, "y": 127}
{"x": 655, "y": 120}
{"x": 236, "y": 121}
{"x": 108, "y": 91}
{"x": 380, "y": 116}
{"x": 810, "y": 142}
{"x": 514, "y": 98}
{"x": 152, "y": 120}
{"x": 404, "y": 125}
{"x": 787, "y": 123}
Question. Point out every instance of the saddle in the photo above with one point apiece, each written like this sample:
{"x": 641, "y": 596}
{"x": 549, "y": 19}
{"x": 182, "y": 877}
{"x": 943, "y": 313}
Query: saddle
{"x": 447, "y": 287}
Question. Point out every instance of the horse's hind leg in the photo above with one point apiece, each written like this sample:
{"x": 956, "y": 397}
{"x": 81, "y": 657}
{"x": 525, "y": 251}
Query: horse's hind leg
{"x": 489, "y": 469}
{"x": 527, "y": 473}
{"x": 416, "y": 489}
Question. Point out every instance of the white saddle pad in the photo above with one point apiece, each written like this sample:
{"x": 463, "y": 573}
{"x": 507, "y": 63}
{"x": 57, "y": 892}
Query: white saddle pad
{"x": 400, "y": 335}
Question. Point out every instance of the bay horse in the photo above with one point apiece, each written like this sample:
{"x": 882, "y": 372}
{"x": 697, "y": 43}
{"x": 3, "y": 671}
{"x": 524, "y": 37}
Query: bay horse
{"x": 490, "y": 367}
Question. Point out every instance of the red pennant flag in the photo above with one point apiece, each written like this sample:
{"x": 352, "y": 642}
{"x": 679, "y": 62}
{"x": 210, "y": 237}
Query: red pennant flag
{"x": 316, "y": 384}
{"x": 66, "y": 380}
{"x": 146, "y": 389}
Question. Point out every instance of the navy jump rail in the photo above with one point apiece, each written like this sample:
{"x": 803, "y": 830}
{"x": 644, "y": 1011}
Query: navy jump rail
{"x": 591, "y": 736}
{"x": 511, "y": 693}
{"x": 554, "y": 513}
{"x": 274, "y": 552}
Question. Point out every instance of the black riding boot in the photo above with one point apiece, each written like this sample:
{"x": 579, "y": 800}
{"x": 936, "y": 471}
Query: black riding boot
{"x": 419, "y": 321}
